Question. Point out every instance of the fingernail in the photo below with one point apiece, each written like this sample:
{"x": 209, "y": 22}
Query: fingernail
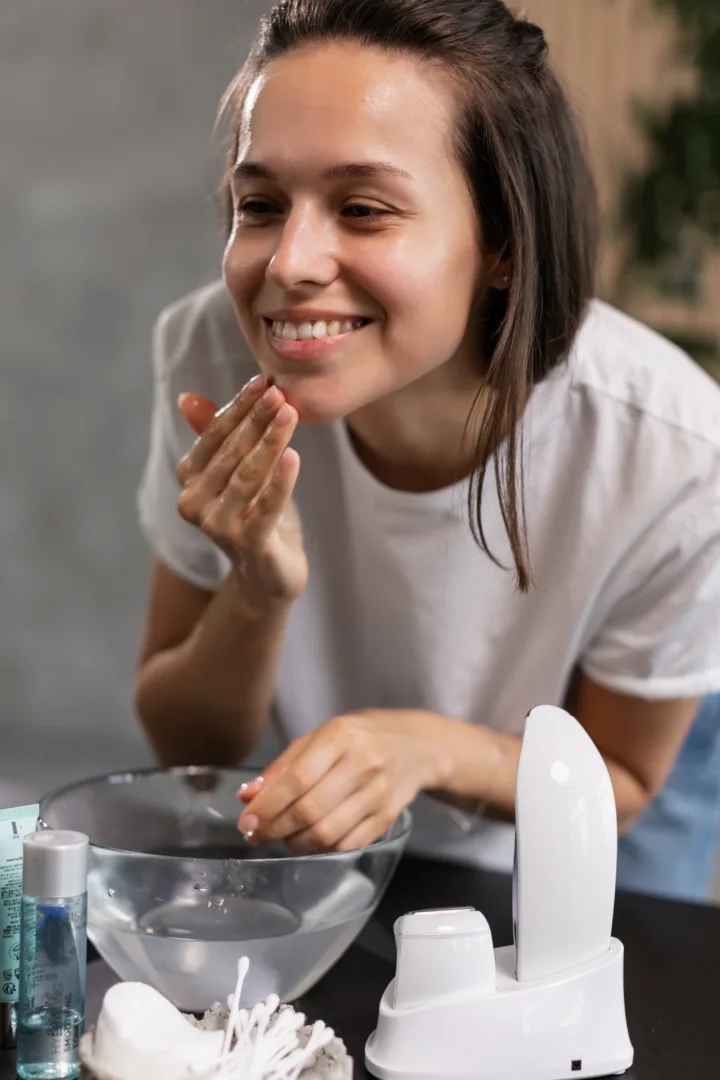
{"x": 269, "y": 400}
{"x": 257, "y": 381}
{"x": 248, "y": 825}
{"x": 251, "y": 783}
{"x": 283, "y": 416}
{"x": 266, "y": 405}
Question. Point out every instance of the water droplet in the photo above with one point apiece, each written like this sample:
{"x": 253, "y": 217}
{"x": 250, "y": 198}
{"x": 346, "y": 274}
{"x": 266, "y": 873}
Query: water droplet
{"x": 111, "y": 892}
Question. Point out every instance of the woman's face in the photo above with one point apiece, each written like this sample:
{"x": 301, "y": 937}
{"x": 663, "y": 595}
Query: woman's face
{"x": 354, "y": 258}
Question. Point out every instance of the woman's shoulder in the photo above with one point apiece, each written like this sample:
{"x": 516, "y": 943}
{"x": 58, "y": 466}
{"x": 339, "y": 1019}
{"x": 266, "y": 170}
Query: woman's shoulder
{"x": 620, "y": 365}
{"x": 197, "y": 340}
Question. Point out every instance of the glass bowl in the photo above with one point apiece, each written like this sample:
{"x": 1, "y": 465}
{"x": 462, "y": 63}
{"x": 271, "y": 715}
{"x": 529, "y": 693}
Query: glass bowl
{"x": 176, "y": 895}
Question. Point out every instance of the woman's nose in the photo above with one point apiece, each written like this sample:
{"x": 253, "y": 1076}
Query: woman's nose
{"x": 305, "y": 252}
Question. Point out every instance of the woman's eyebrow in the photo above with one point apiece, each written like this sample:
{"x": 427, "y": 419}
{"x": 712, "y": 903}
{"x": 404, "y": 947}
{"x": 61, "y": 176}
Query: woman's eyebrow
{"x": 360, "y": 170}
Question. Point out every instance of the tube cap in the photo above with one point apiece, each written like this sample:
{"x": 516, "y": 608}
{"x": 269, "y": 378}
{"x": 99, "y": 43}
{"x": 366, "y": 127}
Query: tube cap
{"x": 55, "y": 863}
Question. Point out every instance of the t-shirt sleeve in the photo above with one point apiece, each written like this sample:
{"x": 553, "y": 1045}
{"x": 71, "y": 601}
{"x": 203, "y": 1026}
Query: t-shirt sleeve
{"x": 181, "y": 546}
{"x": 660, "y": 638}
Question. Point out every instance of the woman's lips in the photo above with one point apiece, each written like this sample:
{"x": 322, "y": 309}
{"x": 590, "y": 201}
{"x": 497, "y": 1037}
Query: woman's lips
{"x": 289, "y": 349}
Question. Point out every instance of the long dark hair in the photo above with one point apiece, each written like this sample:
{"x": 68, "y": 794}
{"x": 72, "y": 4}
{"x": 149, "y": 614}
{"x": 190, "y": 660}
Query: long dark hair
{"x": 518, "y": 144}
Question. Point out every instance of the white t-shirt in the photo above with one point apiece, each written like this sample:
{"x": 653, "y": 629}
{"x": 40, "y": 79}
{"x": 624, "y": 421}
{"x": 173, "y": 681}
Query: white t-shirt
{"x": 403, "y": 610}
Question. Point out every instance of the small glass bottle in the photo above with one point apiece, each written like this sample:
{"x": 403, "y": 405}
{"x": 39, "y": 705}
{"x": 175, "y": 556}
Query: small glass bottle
{"x": 53, "y": 939}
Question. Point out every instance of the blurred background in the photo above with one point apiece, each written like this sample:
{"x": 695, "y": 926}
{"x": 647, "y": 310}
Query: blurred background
{"x": 106, "y": 180}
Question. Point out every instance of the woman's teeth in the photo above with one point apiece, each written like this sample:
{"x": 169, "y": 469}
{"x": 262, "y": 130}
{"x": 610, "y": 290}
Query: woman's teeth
{"x": 305, "y": 331}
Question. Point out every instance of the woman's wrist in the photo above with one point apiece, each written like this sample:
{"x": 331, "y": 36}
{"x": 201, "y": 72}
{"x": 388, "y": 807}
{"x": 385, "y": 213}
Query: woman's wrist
{"x": 257, "y": 609}
{"x": 430, "y": 731}
{"x": 475, "y": 766}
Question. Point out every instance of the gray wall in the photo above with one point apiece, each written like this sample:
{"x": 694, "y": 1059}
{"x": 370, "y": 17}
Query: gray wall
{"x": 106, "y": 176}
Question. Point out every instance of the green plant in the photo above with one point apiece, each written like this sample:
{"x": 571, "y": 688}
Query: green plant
{"x": 671, "y": 209}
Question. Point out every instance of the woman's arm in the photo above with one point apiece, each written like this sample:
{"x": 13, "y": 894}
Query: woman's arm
{"x": 344, "y": 784}
{"x": 206, "y": 675}
{"x": 638, "y": 739}
{"x": 207, "y": 670}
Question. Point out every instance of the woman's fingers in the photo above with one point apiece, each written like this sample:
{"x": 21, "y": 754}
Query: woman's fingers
{"x": 272, "y": 502}
{"x": 288, "y": 781}
{"x": 255, "y": 471}
{"x": 255, "y": 495}
{"x": 236, "y": 486}
{"x": 316, "y": 807}
{"x": 364, "y": 805}
{"x": 221, "y": 499}
{"x": 197, "y": 410}
{"x": 222, "y": 424}
{"x": 367, "y": 832}
{"x": 235, "y": 453}
{"x": 249, "y": 790}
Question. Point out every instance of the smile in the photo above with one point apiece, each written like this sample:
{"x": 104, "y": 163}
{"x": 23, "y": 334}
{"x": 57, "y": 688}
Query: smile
{"x": 308, "y": 340}
{"x": 307, "y": 331}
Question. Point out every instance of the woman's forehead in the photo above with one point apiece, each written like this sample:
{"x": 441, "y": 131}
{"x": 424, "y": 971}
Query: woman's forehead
{"x": 367, "y": 101}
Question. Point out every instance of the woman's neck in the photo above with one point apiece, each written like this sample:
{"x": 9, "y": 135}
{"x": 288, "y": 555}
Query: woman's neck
{"x": 419, "y": 439}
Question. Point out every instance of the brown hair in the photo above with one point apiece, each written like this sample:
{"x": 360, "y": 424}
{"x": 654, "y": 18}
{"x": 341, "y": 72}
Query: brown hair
{"x": 518, "y": 144}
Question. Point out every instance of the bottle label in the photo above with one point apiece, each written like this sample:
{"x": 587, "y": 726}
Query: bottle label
{"x": 14, "y": 825}
{"x": 53, "y": 983}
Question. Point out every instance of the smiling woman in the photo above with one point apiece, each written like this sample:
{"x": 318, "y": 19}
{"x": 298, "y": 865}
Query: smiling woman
{"x": 353, "y": 209}
{"x": 444, "y": 478}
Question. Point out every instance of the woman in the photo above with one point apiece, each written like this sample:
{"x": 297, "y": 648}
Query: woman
{"x": 494, "y": 481}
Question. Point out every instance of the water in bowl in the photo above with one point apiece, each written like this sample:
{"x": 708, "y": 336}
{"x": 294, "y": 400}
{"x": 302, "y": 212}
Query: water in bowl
{"x": 188, "y": 947}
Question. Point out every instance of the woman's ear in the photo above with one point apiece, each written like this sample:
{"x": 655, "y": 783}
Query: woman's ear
{"x": 500, "y": 274}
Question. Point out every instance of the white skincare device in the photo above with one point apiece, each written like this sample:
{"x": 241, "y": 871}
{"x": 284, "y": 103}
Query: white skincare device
{"x": 552, "y": 1005}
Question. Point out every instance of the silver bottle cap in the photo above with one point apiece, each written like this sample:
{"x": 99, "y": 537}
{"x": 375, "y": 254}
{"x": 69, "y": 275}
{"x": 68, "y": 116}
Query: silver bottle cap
{"x": 55, "y": 863}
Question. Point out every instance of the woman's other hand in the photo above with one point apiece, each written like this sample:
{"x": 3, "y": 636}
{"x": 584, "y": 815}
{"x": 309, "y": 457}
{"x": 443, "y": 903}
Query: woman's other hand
{"x": 237, "y": 483}
{"x": 343, "y": 785}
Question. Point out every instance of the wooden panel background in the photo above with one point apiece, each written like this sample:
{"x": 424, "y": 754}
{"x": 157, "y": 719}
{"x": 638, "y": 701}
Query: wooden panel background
{"x": 611, "y": 55}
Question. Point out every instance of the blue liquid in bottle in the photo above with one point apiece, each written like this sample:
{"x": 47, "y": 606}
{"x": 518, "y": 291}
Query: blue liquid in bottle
{"x": 51, "y": 1009}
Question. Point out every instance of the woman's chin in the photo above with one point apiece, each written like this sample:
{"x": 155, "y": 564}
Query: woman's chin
{"x": 312, "y": 405}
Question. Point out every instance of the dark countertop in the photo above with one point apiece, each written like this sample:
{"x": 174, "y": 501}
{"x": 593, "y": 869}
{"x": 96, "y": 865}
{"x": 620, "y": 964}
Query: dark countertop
{"x": 672, "y": 970}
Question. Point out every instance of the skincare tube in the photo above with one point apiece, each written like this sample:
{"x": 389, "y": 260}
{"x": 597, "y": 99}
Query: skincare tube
{"x": 14, "y": 825}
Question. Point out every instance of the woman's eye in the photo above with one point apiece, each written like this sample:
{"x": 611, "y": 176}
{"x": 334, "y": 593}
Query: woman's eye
{"x": 361, "y": 212}
{"x": 256, "y": 208}
{"x": 262, "y": 209}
